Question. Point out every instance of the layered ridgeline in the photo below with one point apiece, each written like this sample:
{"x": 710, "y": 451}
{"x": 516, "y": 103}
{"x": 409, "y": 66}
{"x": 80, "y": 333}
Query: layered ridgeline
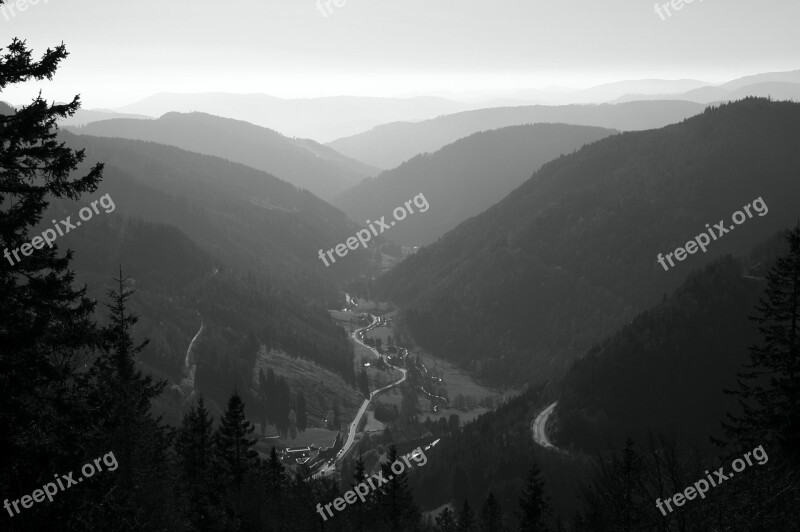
{"x": 213, "y": 243}
{"x": 246, "y": 217}
{"x": 388, "y": 145}
{"x": 570, "y": 256}
{"x": 666, "y": 370}
{"x": 464, "y": 178}
{"x": 303, "y": 163}
{"x": 778, "y": 85}
{"x": 324, "y": 118}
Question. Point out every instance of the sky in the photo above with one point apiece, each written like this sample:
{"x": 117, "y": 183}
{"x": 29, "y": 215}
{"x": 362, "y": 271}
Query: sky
{"x": 123, "y": 51}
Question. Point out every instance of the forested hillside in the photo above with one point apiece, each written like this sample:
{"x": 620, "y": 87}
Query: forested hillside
{"x": 464, "y": 178}
{"x": 571, "y": 255}
{"x": 303, "y": 163}
{"x": 667, "y": 369}
{"x": 246, "y": 217}
{"x": 181, "y": 287}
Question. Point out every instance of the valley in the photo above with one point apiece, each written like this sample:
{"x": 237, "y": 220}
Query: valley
{"x": 403, "y": 267}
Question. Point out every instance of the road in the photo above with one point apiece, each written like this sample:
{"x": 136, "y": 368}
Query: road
{"x": 540, "y": 424}
{"x": 190, "y": 366}
{"x": 351, "y": 436}
{"x": 432, "y": 396}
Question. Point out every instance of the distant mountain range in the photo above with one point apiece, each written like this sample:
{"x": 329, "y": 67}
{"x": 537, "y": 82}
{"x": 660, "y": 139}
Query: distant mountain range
{"x": 322, "y": 119}
{"x": 518, "y": 291}
{"x": 464, "y": 178}
{"x": 326, "y": 119}
{"x": 388, "y": 145}
{"x": 617, "y": 91}
{"x": 777, "y": 85}
{"x": 303, "y": 163}
{"x": 87, "y": 116}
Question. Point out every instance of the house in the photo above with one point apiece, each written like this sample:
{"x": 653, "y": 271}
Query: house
{"x": 296, "y": 455}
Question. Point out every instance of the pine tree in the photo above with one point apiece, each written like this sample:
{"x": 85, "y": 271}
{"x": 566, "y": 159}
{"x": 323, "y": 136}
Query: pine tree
{"x": 120, "y": 399}
{"x": 263, "y": 413}
{"x": 534, "y": 504}
{"x": 292, "y": 425}
{"x": 394, "y": 500}
{"x": 276, "y": 473}
{"x": 446, "y": 521}
{"x": 276, "y": 486}
{"x": 359, "y": 510}
{"x": 198, "y": 470}
{"x": 363, "y": 383}
{"x": 617, "y": 497}
{"x": 491, "y": 519}
{"x": 302, "y": 411}
{"x": 466, "y": 518}
{"x": 769, "y": 388}
{"x": 271, "y": 397}
{"x": 337, "y": 422}
{"x": 46, "y": 327}
{"x": 233, "y": 445}
{"x": 630, "y": 475}
{"x": 303, "y": 498}
{"x": 284, "y": 400}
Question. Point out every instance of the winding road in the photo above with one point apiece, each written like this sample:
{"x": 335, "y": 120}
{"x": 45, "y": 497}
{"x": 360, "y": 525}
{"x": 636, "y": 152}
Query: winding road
{"x": 190, "y": 365}
{"x": 539, "y": 427}
{"x": 351, "y": 436}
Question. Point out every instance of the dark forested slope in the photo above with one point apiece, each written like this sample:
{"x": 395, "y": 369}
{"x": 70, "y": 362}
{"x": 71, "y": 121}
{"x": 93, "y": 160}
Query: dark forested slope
{"x": 464, "y": 178}
{"x": 570, "y": 256}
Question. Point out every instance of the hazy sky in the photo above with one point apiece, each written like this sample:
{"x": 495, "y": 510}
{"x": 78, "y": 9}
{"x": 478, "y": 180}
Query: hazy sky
{"x": 122, "y": 51}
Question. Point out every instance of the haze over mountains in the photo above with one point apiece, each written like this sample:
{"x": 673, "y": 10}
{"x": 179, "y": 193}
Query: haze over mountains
{"x": 302, "y": 162}
{"x": 777, "y": 85}
{"x": 329, "y": 118}
{"x": 87, "y": 116}
{"x": 322, "y": 119}
{"x": 464, "y": 178}
{"x": 563, "y": 260}
{"x": 388, "y": 145}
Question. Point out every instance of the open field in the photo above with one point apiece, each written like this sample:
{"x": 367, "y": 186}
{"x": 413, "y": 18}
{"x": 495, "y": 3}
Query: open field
{"x": 381, "y": 332}
{"x": 345, "y": 319}
{"x": 379, "y": 379}
{"x": 372, "y": 423}
{"x": 455, "y": 380}
{"x": 391, "y": 397}
{"x": 320, "y": 386}
{"x": 316, "y": 436}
